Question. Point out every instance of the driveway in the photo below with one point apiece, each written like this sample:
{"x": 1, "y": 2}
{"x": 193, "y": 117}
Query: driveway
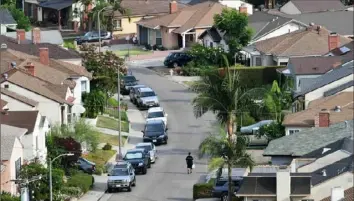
{"x": 167, "y": 179}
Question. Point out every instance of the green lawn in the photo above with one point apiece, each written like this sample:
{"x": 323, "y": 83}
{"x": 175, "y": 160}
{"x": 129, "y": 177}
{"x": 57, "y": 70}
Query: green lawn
{"x": 69, "y": 43}
{"x": 111, "y": 139}
{"x": 110, "y": 123}
{"x": 134, "y": 51}
{"x": 114, "y": 113}
{"x": 100, "y": 157}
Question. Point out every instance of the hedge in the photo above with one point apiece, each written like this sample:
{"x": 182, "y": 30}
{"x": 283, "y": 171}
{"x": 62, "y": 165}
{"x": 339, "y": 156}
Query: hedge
{"x": 256, "y": 76}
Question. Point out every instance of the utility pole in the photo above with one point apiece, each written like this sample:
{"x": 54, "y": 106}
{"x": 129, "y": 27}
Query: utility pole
{"x": 23, "y": 183}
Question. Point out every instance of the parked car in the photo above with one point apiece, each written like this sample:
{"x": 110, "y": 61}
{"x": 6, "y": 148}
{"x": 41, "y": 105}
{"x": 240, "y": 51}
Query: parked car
{"x": 86, "y": 165}
{"x": 176, "y": 59}
{"x": 139, "y": 160}
{"x": 126, "y": 83}
{"x": 220, "y": 188}
{"x": 251, "y": 129}
{"x": 149, "y": 148}
{"x": 155, "y": 113}
{"x": 146, "y": 98}
{"x": 122, "y": 176}
{"x": 92, "y": 36}
{"x": 133, "y": 92}
{"x": 156, "y": 132}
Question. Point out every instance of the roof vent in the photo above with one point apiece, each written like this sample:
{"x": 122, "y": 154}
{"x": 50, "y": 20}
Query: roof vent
{"x": 324, "y": 173}
{"x": 13, "y": 64}
{"x": 337, "y": 108}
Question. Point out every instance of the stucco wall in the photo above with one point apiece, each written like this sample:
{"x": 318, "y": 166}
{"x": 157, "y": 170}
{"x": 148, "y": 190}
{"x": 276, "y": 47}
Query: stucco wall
{"x": 128, "y": 27}
{"x": 290, "y": 8}
{"x": 6, "y": 177}
{"x": 17, "y": 153}
{"x": 169, "y": 39}
{"x": 15, "y": 105}
{"x": 78, "y": 89}
{"x": 318, "y": 93}
{"x": 267, "y": 60}
{"x": 297, "y": 80}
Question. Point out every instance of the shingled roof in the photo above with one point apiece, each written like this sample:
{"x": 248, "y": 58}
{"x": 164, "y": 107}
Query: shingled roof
{"x": 19, "y": 97}
{"x": 313, "y": 65}
{"x": 8, "y": 136}
{"x": 20, "y": 119}
{"x": 314, "y": 6}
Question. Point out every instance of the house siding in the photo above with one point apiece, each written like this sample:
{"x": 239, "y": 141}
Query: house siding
{"x": 15, "y": 105}
{"x": 281, "y": 160}
{"x": 318, "y": 93}
{"x": 290, "y": 8}
{"x": 17, "y": 153}
{"x": 267, "y": 60}
{"x": 46, "y": 107}
{"x": 78, "y": 90}
{"x": 169, "y": 39}
{"x": 299, "y": 77}
{"x": 288, "y": 28}
{"x": 128, "y": 27}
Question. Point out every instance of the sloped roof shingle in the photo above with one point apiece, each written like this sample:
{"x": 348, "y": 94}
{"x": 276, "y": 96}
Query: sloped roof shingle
{"x": 19, "y": 97}
{"x": 20, "y": 119}
{"x": 313, "y": 6}
{"x": 8, "y": 137}
{"x": 6, "y": 17}
{"x": 313, "y": 65}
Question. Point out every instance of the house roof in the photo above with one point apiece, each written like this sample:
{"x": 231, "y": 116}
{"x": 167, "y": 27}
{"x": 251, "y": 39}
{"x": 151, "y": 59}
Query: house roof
{"x": 20, "y": 119}
{"x": 329, "y": 77}
{"x": 199, "y": 15}
{"x": 56, "y": 4}
{"x": 19, "y": 97}
{"x": 298, "y": 43}
{"x": 333, "y": 170}
{"x": 267, "y": 185}
{"x": 213, "y": 33}
{"x": 44, "y": 88}
{"x": 346, "y": 49}
{"x": 306, "y": 118}
{"x": 147, "y": 8}
{"x": 348, "y": 195}
{"x": 313, "y": 65}
{"x": 47, "y": 36}
{"x": 6, "y": 17}
{"x": 8, "y": 137}
{"x": 308, "y": 140}
{"x": 327, "y": 19}
{"x": 313, "y": 6}
{"x": 55, "y": 51}
{"x": 2, "y": 103}
{"x": 345, "y": 144}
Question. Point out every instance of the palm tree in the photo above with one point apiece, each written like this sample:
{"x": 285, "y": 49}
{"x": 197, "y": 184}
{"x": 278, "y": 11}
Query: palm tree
{"x": 223, "y": 152}
{"x": 225, "y": 96}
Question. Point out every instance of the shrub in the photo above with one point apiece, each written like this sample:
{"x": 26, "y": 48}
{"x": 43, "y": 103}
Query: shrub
{"x": 148, "y": 47}
{"x": 5, "y": 196}
{"x": 81, "y": 180}
{"x": 23, "y": 22}
{"x": 202, "y": 190}
{"x": 107, "y": 147}
{"x": 204, "y": 56}
{"x": 71, "y": 191}
{"x": 94, "y": 103}
{"x": 195, "y": 69}
{"x": 99, "y": 171}
{"x": 112, "y": 102}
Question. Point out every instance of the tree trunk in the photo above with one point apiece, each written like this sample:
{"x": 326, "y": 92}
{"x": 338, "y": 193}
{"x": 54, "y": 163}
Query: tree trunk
{"x": 230, "y": 180}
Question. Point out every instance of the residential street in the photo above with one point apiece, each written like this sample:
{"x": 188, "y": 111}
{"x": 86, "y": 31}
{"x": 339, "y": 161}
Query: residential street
{"x": 168, "y": 178}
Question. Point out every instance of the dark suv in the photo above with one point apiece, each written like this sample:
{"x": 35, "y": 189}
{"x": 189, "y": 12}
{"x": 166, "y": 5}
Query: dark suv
{"x": 139, "y": 160}
{"x": 126, "y": 83}
{"x": 176, "y": 59}
{"x": 220, "y": 188}
{"x": 155, "y": 131}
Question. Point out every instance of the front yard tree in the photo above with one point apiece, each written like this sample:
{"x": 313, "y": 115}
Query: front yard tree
{"x": 235, "y": 26}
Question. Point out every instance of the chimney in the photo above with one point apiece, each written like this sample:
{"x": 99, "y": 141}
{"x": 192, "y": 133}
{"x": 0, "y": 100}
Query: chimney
{"x": 36, "y": 35}
{"x": 333, "y": 41}
{"x": 20, "y": 35}
{"x": 337, "y": 194}
{"x": 173, "y": 6}
{"x": 322, "y": 119}
{"x": 44, "y": 55}
{"x": 30, "y": 68}
{"x": 243, "y": 9}
{"x": 283, "y": 184}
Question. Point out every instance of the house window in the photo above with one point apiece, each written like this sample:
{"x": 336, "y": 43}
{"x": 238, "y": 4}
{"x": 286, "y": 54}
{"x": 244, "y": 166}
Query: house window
{"x": 283, "y": 63}
{"x": 158, "y": 37}
{"x": 211, "y": 44}
{"x": 30, "y": 10}
{"x": 83, "y": 86}
{"x": 293, "y": 131}
{"x": 117, "y": 24}
{"x": 18, "y": 167}
{"x": 6, "y": 86}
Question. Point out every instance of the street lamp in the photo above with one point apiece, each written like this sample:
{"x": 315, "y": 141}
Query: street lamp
{"x": 99, "y": 26}
{"x": 50, "y": 172}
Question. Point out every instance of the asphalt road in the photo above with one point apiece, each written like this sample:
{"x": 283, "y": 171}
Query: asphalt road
{"x": 168, "y": 178}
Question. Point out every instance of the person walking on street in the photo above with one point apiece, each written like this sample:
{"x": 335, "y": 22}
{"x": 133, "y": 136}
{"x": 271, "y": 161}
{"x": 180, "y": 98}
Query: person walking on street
{"x": 189, "y": 160}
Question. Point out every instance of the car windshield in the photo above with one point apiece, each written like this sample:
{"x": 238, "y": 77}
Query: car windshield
{"x": 134, "y": 155}
{"x": 146, "y": 147}
{"x": 147, "y": 94}
{"x": 154, "y": 127}
{"x": 155, "y": 115}
{"x": 119, "y": 172}
{"x": 129, "y": 79}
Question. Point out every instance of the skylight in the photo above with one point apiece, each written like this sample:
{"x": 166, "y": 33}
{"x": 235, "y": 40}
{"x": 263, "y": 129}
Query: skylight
{"x": 344, "y": 50}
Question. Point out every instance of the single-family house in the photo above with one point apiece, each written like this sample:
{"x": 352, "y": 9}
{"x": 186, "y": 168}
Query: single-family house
{"x": 56, "y": 51}
{"x": 236, "y": 4}
{"x": 345, "y": 51}
{"x": 39, "y": 36}
{"x": 34, "y": 140}
{"x": 295, "y": 7}
{"x": 283, "y": 150}
{"x": 11, "y": 157}
{"x": 54, "y": 101}
{"x": 339, "y": 194}
{"x": 139, "y": 10}
{"x": 281, "y": 186}
{"x": 276, "y": 51}
{"x": 321, "y": 113}
{"x": 7, "y": 22}
{"x": 17, "y": 102}
{"x": 181, "y": 28}
{"x": 340, "y": 79}
{"x": 213, "y": 38}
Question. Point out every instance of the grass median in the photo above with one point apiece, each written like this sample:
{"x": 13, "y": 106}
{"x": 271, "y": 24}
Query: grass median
{"x": 111, "y": 123}
{"x": 100, "y": 157}
{"x": 111, "y": 139}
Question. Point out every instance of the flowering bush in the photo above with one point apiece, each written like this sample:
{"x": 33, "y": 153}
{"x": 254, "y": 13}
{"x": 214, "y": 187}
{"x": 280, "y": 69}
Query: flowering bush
{"x": 206, "y": 56}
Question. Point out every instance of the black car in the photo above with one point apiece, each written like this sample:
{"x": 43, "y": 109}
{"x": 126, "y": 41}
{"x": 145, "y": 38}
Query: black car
{"x": 139, "y": 160}
{"x": 86, "y": 165}
{"x": 92, "y": 36}
{"x": 126, "y": 83}
{"x": 220, "y": 188}
{"x": 176, "y": 59}
{"x": 155, "y": 131}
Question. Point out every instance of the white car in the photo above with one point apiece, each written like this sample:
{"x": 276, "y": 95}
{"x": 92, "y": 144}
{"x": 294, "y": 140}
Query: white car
{"x": 156, "y": 113}
{"x": 148, "y": 147}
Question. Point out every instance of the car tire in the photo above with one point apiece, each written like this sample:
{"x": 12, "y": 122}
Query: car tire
{"x": 134, "y": 184}
{"x": 149, "y": 164}
{"x": 144, "y": 171}
{"x": 129, "y": 189}
{"x": 109, "y": 190}
{"x": 224, "y": 197}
